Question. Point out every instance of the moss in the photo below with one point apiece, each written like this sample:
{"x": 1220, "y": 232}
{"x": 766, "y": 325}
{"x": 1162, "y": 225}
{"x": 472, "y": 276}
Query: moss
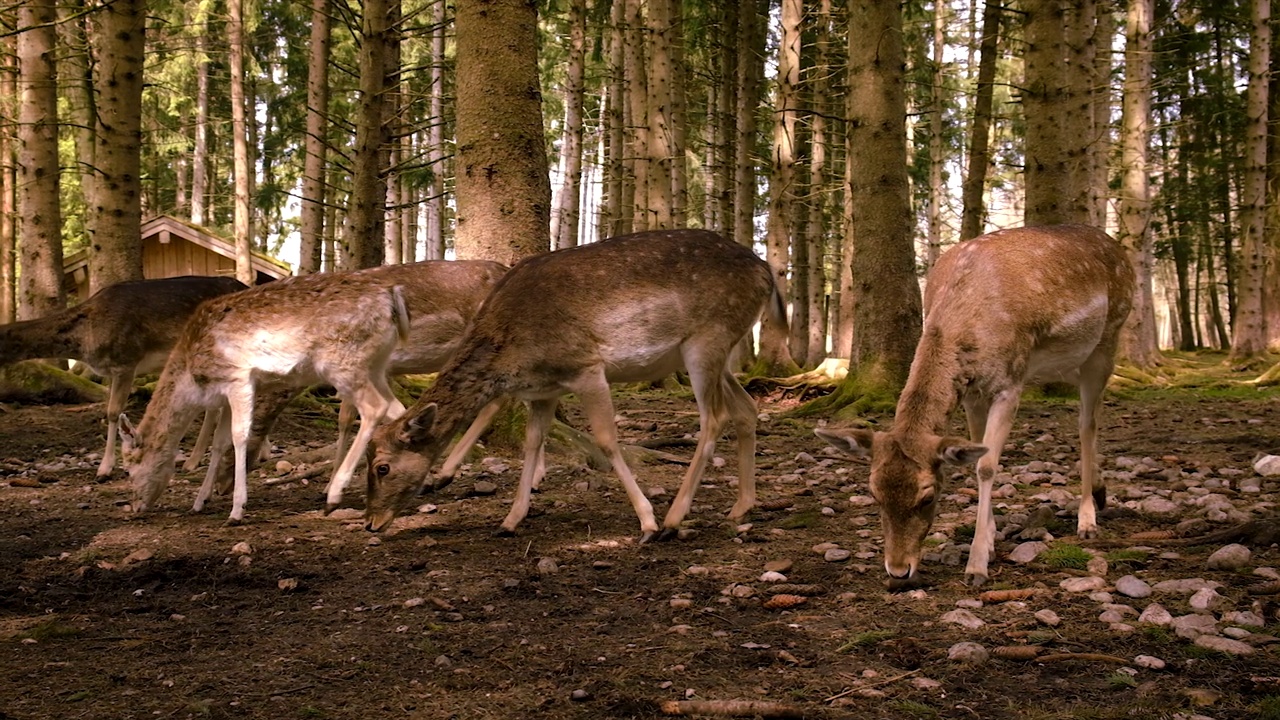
{"x": 1066, "y": 556}
{"x": 867, "y": 638}
{"x": 39, "y": 383}
{"x": 1268, "y": 708}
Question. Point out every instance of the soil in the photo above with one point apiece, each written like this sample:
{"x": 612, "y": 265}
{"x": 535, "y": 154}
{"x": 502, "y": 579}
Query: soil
{"x": 104, "y": 614}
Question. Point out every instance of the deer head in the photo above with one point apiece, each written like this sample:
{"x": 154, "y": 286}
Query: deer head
{"x": 399, "y": 461}
{"x": 906, "y": 480}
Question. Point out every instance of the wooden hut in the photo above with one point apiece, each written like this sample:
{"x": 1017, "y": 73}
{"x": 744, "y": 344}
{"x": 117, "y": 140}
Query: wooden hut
{"x": 172, "y": 247}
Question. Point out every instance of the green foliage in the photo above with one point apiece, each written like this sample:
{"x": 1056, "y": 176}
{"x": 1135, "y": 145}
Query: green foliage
{"x": 913, "y": 709}
{"x": 1066, "y": 556}
{"x": 866, "y": 638}
{"x": 800, "y": 520}
{"x": 53, "y": 629}
{"x": 1121, "y": 681}
{"x": 1268, "y": 708}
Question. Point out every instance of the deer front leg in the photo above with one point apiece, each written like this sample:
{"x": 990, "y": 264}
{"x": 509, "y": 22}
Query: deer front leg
{"x": 220, "y": 444}
{"x": 1093, "y": 491}
{"x": 742, "y": 413}
{"x": 597, "y": 405}
{"x": 240, "y": 401}
{"x": 999, "y": 421}
{"x": 373, "y": 402}
{"x": 203, "y": 441}
{"x": 465, "y": 443}
{"x": 541, "y": 414}
{"x": 121, "y": 385}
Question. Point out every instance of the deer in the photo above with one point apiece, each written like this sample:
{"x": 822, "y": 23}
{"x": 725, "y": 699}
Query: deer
{"x": 1016, "y": 306}
{"x": 120, "y": 332}
{"x": 442, "y": 296}
{"x": 628, "y": 309}
{"x": 339, "y": 329}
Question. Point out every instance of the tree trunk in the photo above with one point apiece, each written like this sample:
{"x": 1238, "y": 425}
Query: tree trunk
{"x": 40, "y": 227}
{"x": 8, "y": 182}
{"x": 726, "y": 116}
{"x": 242, "y": 168}
{"x": 937, "y": 107}
{"x": 435, "y": 209}
{"x": 1080, "y": 141}
{"x": 678, "y": 119}
{"x": 313, "y": 184}
{"x": 1048, "y": 186}
{"x": 116, "y": 209}
{"x": 816, "y": 227}
{"x": 886, "y": 294}
{"x": 1249, "y": 338}
{"x": 200, "y": 146}
{"x": 636, "y": 96}
{"x": 750, "y": 77}
{"x": 76, "y": 79}
{"x": 780, "y": 229}
{"x": 504, "y": 193}
{"x": 658, "y": 104}
{"x": 973, "y": 215}
{"x": 366, "y": 208}
{"x": 564, "y": 222}
{"x": 616, "y": 218}
{"x": 1101, "y": 102}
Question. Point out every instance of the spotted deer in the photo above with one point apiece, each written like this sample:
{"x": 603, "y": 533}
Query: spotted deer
{"x": 628, "y": 309}
{"x": 442, "y": 297}
{"x": 120, "y": 332}
{"x": 1024, "y": 305}
{"x": 336, "y": 329}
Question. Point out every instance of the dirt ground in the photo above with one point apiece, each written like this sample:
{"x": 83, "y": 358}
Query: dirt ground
{"x": 296, "y": 615}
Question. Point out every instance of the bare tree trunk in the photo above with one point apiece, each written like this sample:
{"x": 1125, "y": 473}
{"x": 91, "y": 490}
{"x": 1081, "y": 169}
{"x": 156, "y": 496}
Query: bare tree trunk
{"x": 435, "y": 138}
{"x": 974, "y": 209}
{"x": 200, "y": 149}
{"x": 1080, "y": 140}
{"x": 816, "y": 227}
{"x": 1139, "y": 343}
{"x": 678, "y": 119}
{"x": 1048, "y": 187}
{"x": 40, "y": 228}
{"x": 1249, "y": 339}
{"x": 616, "y": 218}
{"x": 504, "y": 192}
{"x": 116, "y": 244}
{"x": 886, "y": 303}
{"x": 8, "y": 182}
{"x": 313, "y": 173}
{"x": 564, "y": 223}
{"x": 937, "y": 193}
{"x": 726, "y": 117}
{"x": 1100, "y": 148}
{"x": 365, "y": 214}
{"x": 76, "y": 79}
{"x": 242, "y": 169}
{"x": 751, "y": 43}
{"x": 636, "y": 96}
{"x": 394, "y": 128}
{"x": 658, "y": 88}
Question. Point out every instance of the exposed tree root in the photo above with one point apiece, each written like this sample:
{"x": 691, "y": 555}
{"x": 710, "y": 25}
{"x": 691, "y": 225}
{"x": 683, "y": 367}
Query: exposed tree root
{"x": 731, "y": 708}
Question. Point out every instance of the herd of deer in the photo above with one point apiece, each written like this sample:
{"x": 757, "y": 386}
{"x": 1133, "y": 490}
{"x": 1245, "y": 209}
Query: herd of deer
{"x": 1011, "y": 307}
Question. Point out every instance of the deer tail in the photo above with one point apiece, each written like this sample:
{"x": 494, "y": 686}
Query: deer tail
{"x": 777, "y": 303}
{"x": 400, "y": 313}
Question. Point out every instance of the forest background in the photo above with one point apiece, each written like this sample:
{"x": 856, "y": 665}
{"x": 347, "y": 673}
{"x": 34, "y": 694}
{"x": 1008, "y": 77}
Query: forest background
{"x": 851, "y": 141}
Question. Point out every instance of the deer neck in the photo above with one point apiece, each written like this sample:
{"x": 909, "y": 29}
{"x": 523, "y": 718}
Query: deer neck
{"x": 465, "y": 386}
{"x": 41, "y": 338}
{"x": 937, "y": 375}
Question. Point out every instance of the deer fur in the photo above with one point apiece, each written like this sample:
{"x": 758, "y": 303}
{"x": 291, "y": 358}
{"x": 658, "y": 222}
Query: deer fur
{"x": 628, "y": 309}
{"x": 442, "y": 297}
{"x": 337, "y": 329}
{"x": 120, "y": 332}
{"x": 1033, "y": 304}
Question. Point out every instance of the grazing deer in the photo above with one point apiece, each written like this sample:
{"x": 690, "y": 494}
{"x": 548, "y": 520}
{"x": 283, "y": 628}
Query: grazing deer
{"x": 1016, "y": 306}
{"x": 628, "y": 309}
{"x": 442, "y": 297}
{"x": 120, "y": 332}
{"x": 337, "y": 329}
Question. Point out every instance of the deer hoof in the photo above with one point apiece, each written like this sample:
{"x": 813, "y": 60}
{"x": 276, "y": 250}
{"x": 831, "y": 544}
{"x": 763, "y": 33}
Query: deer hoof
{"x": 504, "y": 532}
{"x": 974, "y": 579}
{"x": 329, "y": 508}
{"x": 234, "y": 522}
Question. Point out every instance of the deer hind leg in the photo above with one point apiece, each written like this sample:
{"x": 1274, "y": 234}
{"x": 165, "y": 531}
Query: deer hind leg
{"x": 742, "y": 413}
{"x": 203, "y": 441}
{"x": 597, "y": 405}
{"x": 221, "y": 457}
{"x": 468, "y": 440}
{"x": 999, "y": 421}
{"x": 373, "y": 401}
{"x": 267, "y": 407}
{"x": 121, "y": 386}
{"x": 713, "y": 410}
{"x": 1093, "y": 490}
{"x": 541, "y": 414}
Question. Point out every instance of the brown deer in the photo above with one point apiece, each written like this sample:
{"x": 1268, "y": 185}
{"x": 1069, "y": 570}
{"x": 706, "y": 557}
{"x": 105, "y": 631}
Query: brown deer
{"x": 1016, "y": 306}
{"x": 337, "y": 329}
{"x": 120, "y": 332}
{"x": 442, "y": 297}
{"x": 628, "y": 309}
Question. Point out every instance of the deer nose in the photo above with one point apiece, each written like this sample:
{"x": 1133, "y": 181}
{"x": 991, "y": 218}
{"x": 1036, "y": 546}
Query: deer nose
{"x": 899, "y": 573}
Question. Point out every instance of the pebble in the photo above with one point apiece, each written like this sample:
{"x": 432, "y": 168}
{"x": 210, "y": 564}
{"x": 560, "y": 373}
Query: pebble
{"x": 242, "y": 548}
{"x": 970, "y": 653}
{"x": 1222, "y": 644}
{"x": 1083, "y": 584}
{"x": 836, "y": 555}
{"x": 1026, "y": 552}
{"x": 861, "y": 500}
{"x": 1206, "y": 600}
{"x": 1245, "y": 618}
{"x": 484, "y": 488}
{"x": 1149, "y": 662}
{"x": 778, "y": 566}
{"x": 1133, "y": 586}
{"x": 1155, "y": 614}
{"x": 579, "y": 695}
{"x": 1267, "y": 465}
{"x": 1230, "y": 557}
{"x": 963, "y": 618}
{"x": 1097, "y": 566}
{"x": 1186, "y": 586}
{"x": 548, "y": 566}
{"x": 1156, "y": 505}
{"x": 1194, "y": 625}
{"x": 773, "y": 577}
{"x": 1048, "y": 617}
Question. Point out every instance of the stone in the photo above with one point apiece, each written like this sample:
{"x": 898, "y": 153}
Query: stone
{"x": 970, "y": 653}
{"x": 773, "y": 577}
{"x": 963, "y": 618}
{"x": 1048, "y": 617}
{"x": 1186, "y": 586}
{"x": 1149, "y": 662}
{"x": 1229, "y": 557}
{"x": 548, "y": 566}
{"x": 1097, "y": 566}
{"x": 1222, "y": 644}
{"x": 778, "y": 566}
{"x": 1245, "y": 618}
{"x": 1156, "y": 505}
{"x": 242, "y": 548}
{"x": 483, "y": 488}
{"x": 1194, "y": 625}
{"x": 1133, "y": 586}
{"x": 1083, "y": 584}
{"x": 836, "y": 555}
{"x": 1206, "y": 600}
{"x": 1267, "y": 465}
{"x": 1156, "y": 614}
{"x": 1026, "y": 552}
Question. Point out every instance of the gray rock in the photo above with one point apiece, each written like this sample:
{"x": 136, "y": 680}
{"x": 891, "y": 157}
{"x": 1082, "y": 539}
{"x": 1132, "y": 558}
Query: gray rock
{"x": 1155, "y": 614}
{"x": 1133, "y": 586}
{"x": 1267, "y": 465}
{"x": 1158, "y": 506}
{"x": 1244, "y": 618}
{"x": 1083, "y": 584}
{"x": 1230, "y": 557}
{"x": 1026, "y": 552}
{"x": 1149, "y": 662}
{"x": 1185, "y": 586}
{"x": 963, "y": 618}
{"x": 1222, "y": 644}
{"x": 1194, "y": 625}
{"x": 970, "y": 653}
{"x": 484, "y": 488}
{"x": 1048, "y": 617}
{"x": 836, "y": 555}
{"x": 1207, "y": 600}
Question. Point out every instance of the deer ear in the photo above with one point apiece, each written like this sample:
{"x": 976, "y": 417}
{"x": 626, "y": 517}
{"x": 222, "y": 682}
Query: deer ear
{"x": 417, "y": 429}
{"x": 128, "y": 433}
{"x": 958, "y": 451}
{"x": 850, "y": 441}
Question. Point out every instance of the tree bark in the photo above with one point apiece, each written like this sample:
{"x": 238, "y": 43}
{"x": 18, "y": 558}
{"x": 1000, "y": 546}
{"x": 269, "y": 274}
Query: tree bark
{"x": 504, "y": 192}
{"x": 1249, "y": 337}
{"x": 200, "y": 146}
{"x": 937, "y": 108}
{"x": 435, "y": 210}
{"x": 636, "y": 95}
{"x": 366, "y": 206}
{"x": 750, "y": 77}
{"x": 116, "y": 241}
{"x": 658, "y": 104}
{"x": 8, "y": 182}
{"x": 1139, "y": 343}
{"x": 816, "y": 227}
{"x": 313, "y": 184}
{"x": 1048, "y": 185}
{"x": 564, "y": 223}
{"x": 973, "y": 215}
{"x": 616, "y": 218}
{"x": 241, "y": 164}
{"x": 40, "y": 226}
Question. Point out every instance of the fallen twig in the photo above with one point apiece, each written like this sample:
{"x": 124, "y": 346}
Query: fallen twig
{"x": 313, "y": 471}
{"x": 1087, "y": 657}
{"x": 868, "y": 686}
{"x": 731, "y": 708}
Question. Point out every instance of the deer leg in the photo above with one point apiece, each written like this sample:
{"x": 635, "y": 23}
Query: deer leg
{"x": 712, "y": 413}
{"x": 597, "y": 405}
{"x": 541, "y": 414}
{"x": 240, "y": 400}
{"x": 1093, "y": 490}
{"x": 218, "y": 459}
{"x": 465, "y": 443}
{"x": 121, "y": 385}
{"x": 742, "y": 413}
{"x": 373, "y": 402}
{"x": 976, "y": 408}
{"x": 999, "y": 421}
{"x": 203, "y": 440}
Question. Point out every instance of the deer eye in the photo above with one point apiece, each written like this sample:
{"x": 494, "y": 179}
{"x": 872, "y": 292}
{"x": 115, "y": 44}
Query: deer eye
{"x": 382, "y": 469}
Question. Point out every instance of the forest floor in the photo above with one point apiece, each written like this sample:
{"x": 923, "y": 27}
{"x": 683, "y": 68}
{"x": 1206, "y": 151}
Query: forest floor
{"x": 297, "y": 615}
